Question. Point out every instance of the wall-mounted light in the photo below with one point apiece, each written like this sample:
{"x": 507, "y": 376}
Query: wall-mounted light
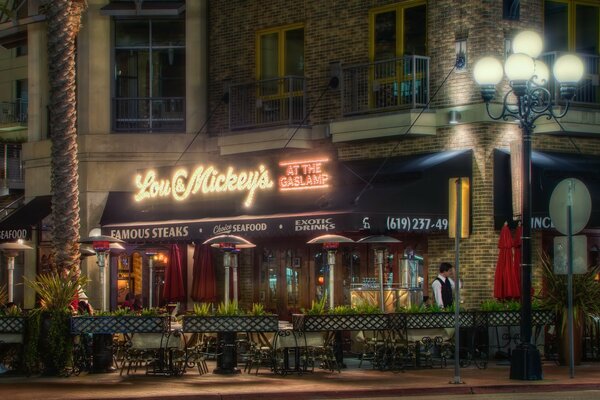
{"x": 453, "y": 117}
{"x": 461, "y": 54}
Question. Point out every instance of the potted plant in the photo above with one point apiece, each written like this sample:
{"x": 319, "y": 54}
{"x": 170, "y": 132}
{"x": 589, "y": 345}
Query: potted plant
{"x": 56, "y": 292}
{"x": 586, "y": 303}
{"x": 11, "y": 319}
{"x": 229, "y": 318}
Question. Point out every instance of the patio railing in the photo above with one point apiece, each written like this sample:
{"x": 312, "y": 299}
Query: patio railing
{"x": 269, "y": 102}
{"x": 385, "y": 85}
{"x": 13, "y": 112}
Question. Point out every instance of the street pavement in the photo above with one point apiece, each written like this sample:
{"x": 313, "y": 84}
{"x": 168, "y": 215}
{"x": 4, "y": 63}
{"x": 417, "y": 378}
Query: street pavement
{"x": 490, "y": 383}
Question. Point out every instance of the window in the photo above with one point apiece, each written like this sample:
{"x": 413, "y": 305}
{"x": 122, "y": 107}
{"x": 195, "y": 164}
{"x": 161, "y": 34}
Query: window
{"x": 149, "y": 75}
{"x": 511, "y": 9}
{"x": 572, "y": 26}
{"x": 398, "y": 30}
{"x": 397, "y": 48}
{"x": 280, "y": 74}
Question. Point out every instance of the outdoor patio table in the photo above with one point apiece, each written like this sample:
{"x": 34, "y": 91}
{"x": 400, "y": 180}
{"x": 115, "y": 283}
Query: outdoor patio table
{"x": 298, "y": 343}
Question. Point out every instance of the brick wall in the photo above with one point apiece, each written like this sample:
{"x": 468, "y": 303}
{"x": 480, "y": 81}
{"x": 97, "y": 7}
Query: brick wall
{"x": 337, "y": 30}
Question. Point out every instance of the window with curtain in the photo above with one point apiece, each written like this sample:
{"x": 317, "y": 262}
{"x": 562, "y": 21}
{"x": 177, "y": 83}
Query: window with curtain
{"x": 149, "y": 75}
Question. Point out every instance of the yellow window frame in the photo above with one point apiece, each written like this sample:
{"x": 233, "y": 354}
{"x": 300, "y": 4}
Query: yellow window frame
{"x": 399, "y": 77}
{"x": 281, "y": 91}
{"x": 572, "y": 19}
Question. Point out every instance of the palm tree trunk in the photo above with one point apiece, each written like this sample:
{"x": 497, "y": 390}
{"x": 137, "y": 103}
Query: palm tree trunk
{"x": 64, "y": 18}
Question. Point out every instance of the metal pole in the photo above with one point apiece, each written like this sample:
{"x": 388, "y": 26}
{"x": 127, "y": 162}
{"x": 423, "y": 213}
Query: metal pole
{"x": 151, "y": 281}
{"x": 526, "y": 362}
{"x": 226, "y": 264}
{"x": 234, "y": 264}
{"x": 458, "y": 227}
{"x": 101, "y": 260}
{"x": 570, "y": 279}
{"x": 379, "y": 259}
{"x": 331, "y": 262}
{"x": 11, "y": 281}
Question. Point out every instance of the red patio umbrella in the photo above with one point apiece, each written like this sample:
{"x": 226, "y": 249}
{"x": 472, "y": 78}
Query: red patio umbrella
{"x": 516, "y": 267}
{"x": 505, "y": 283}
{"x": 204, "y": 287}
{"x": 174, "y": 289}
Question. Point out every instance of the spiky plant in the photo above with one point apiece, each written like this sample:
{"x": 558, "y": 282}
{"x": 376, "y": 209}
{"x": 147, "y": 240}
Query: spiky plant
{"x": 586, "y": 292}
{"x": 203, "y": 309}
{"x": 57, "y": 291}
{"x": 230, "y": 309}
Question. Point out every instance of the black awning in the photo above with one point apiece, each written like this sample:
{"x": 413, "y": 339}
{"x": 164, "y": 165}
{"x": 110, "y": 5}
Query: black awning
{"x": 143, "y": 8}
{"x": 19, "y": 224}
{"x": 548, "y": 169}
{"x": 408, "y": 194}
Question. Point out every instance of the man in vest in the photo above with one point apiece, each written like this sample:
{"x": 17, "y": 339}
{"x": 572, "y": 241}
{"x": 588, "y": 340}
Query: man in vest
{"x": 442, "y": 286}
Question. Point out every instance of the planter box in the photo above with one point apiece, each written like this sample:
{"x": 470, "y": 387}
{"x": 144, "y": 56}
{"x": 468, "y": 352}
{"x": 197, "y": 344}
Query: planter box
{"x": 12, "y": 324}
{"x": 351, "y": 322}
{"x": 238, "y": 323}
{"x": 513, "y": 318}
{"x": 439, "y": 320}
{"x": 122, "y": 324}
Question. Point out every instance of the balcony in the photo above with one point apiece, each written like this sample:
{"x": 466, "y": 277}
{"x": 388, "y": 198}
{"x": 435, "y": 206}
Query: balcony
{"x": 267, "y": 103}
{"x": 400, "y": 83}
{"x": 149, "y": 114}
{"x": 11, "y": 167}
{"x": 588, "y": 92}
{"x": 13, "y": 113}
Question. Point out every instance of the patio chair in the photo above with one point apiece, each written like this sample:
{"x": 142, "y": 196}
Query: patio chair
{"x": 196, "y": 346}
{"x": 260, "y": 351}
{"x": 144, "y": 351}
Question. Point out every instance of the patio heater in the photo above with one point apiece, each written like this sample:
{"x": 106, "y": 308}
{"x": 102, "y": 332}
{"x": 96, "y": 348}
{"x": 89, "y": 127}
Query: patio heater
{"x": 330, "y": 244}
{"x": 102, "y": 246}
{"x": 150, "y": 251}
{"x": 12, "y": 250}
{"x": 381, "y": 241}
{"x": 230, "y": 245}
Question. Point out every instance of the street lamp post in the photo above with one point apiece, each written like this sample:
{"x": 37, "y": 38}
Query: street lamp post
{"x": 528, "y": 78}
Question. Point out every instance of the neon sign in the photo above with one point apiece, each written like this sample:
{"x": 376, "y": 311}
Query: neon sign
{"x": 202, "y": 180}
{"x": 304, "y": 175}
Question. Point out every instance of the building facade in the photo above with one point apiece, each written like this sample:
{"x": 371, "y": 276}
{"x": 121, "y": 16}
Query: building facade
{"x": 369, "y": 85}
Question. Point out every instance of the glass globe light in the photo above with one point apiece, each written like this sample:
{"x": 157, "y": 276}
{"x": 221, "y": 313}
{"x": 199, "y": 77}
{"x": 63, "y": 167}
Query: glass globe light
{"x": 568, "y": 69}
{"x": 528, "y": 42}
{"x": 487, "y": 71}
{"x": 519, "y": 67}
{"x": 541, "y": 74}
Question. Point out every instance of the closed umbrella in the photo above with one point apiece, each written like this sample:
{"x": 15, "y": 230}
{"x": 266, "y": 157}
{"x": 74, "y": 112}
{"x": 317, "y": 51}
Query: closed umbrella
{"x": 174, "y": 289}
{"x": 204, "y": 285}
{"x": 516, "y": 267}
{"x": 505, "y": 283}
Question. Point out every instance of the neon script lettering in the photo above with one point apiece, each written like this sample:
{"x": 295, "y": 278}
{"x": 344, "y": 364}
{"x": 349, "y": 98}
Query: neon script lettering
{"x": 203, "y": 180}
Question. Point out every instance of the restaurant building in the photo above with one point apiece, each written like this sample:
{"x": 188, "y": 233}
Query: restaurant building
{"x": 281, "y": 121}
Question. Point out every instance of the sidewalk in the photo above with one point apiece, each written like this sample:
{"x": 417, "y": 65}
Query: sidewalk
{"x": 352, "y": 382}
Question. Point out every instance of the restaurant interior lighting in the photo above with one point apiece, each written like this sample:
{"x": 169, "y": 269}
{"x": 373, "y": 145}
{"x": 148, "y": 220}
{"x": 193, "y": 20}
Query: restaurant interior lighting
{"x": 379, "y": 252}
{"x": 12, "y": 250}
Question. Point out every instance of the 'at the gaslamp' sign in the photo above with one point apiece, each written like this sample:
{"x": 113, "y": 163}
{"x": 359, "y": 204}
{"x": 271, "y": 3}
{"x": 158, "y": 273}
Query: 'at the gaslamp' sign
{"x": 304, "y": 175}
{"x": 183, "y": 184}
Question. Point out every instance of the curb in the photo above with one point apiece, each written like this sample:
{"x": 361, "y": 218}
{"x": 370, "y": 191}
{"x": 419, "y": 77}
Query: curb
{"x": 364, "y": 393}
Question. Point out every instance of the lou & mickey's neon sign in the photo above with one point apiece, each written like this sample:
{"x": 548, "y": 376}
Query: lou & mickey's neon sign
{"x": 206, "y": 180}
